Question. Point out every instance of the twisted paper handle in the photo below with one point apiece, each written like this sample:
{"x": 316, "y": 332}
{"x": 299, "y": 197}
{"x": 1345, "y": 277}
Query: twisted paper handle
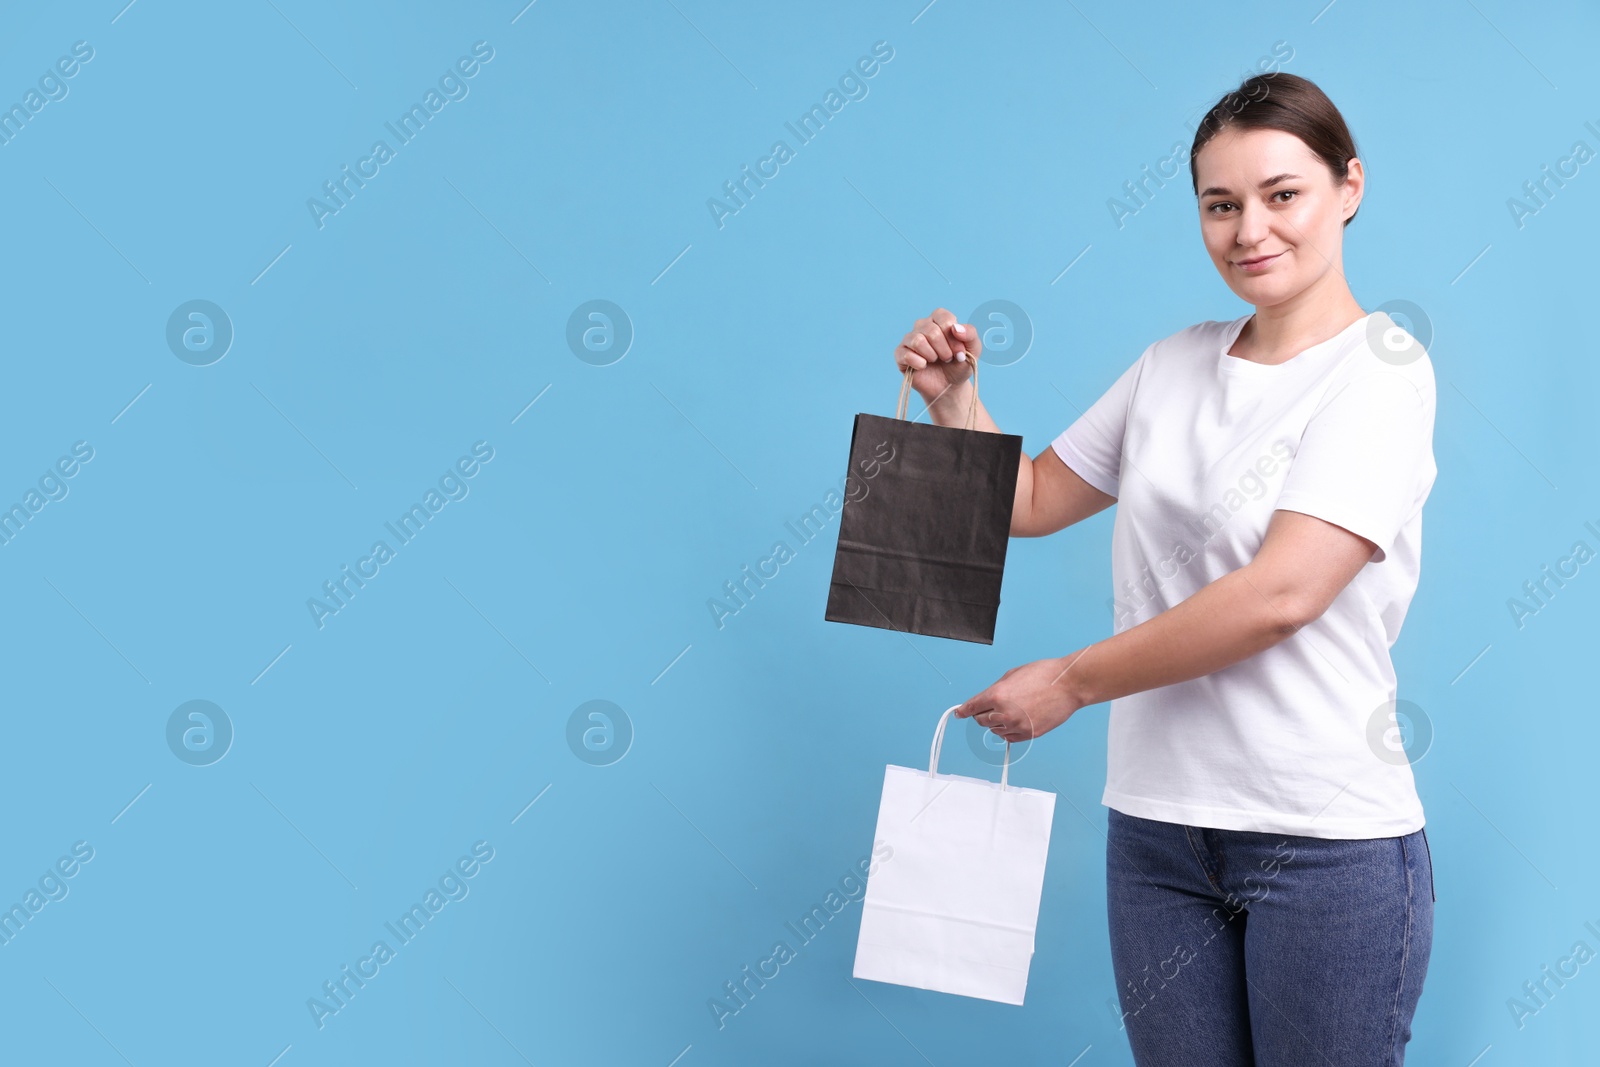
{"x": 905, "y": 393}
{"x": 938, "y": 746}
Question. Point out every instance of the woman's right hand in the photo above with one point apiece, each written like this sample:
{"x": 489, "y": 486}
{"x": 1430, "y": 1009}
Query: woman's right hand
{"x": 940, "y": 351}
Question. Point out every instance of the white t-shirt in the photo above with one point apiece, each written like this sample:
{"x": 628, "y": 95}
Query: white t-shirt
{"x": 1200, "y": 448}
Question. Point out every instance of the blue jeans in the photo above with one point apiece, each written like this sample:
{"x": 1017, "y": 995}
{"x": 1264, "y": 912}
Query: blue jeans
{"x": 1240, "y": 949}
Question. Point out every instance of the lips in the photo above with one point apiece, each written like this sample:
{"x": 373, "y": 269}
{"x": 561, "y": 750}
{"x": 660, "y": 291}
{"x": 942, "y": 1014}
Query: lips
{"x": 1257, "y": 261}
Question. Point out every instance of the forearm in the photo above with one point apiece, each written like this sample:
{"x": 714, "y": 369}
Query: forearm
{"x": 1229, "y": 620}
{"x": 952, "y": 408}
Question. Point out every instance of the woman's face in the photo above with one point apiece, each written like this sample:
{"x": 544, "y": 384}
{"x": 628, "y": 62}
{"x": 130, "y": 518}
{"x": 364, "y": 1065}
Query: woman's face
{"x": 1293, "y": 227}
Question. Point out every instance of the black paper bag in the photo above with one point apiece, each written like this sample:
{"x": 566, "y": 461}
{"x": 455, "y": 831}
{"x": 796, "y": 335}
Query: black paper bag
{"x": 922, "y": 539}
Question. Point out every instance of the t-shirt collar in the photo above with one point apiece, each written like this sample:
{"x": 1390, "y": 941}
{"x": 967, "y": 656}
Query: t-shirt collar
{"x": 1248, "y": 366}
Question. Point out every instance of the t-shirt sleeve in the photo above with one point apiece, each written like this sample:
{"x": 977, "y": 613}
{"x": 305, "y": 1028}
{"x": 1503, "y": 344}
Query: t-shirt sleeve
{"x": 1367, "y": 454}
{"x": 1092, "y": 445}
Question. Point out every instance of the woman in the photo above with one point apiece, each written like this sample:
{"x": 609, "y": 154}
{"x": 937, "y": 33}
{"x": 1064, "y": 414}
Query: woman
{"x": 1269, "y": 887}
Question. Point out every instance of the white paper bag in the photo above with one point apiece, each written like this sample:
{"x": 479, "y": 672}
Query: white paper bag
{"x": 955, "y": 908}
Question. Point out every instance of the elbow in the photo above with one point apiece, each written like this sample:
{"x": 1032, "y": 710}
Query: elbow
{"x": 1292, "y": 611}
{"x": 1022, "y": 524}
{"x": 1286, "y": 606}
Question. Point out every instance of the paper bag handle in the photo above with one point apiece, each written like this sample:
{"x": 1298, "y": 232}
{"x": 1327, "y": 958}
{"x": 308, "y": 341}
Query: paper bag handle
{"x": 905, "y": 393}
{"x": 938, "y": 744}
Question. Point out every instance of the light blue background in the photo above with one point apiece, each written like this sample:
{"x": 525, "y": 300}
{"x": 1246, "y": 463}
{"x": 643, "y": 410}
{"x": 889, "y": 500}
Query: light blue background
{"x": 428, "y": 314}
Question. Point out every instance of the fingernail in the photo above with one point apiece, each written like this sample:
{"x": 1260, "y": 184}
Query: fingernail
{"x": 961, "y": 331}
{"x": 962, "y": 356}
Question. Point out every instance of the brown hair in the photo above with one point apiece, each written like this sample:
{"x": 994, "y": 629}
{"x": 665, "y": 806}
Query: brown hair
{"x": 1287, "y": 102}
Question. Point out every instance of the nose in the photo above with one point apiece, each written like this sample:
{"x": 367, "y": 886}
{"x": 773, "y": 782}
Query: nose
{"x": 1254, "y": 226}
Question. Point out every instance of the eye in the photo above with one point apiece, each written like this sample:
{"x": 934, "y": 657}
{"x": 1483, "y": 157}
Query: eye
{"x": 1220, "y": 203}
{"x": 1286, "y": 192}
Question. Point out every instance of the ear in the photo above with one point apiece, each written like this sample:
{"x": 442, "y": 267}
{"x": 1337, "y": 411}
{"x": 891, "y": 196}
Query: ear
{"x": 1355, "y": 185}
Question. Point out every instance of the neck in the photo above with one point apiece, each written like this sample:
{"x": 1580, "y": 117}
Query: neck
{"x": 1278, "y": 331}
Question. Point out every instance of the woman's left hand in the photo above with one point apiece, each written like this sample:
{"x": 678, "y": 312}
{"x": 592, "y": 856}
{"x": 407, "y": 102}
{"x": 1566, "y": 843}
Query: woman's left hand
{"x": 1027, "y": 701}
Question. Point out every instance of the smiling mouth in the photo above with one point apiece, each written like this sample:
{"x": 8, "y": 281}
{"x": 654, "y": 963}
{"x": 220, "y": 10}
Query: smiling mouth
{"x": 1256, "y": 260}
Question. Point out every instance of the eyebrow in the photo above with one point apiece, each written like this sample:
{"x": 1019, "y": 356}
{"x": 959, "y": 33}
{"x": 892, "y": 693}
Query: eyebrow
{"x": 1217, "y": 190}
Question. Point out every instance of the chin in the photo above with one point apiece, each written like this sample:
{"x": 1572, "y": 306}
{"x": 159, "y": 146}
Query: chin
{"x": 1263, "y": 290}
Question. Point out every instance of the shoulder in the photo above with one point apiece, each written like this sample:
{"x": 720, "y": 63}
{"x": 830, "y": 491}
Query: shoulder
{"x": 1385, "y": 354}
{"x": 1201, "y": 334}
{"x": 1189, "y": 346}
